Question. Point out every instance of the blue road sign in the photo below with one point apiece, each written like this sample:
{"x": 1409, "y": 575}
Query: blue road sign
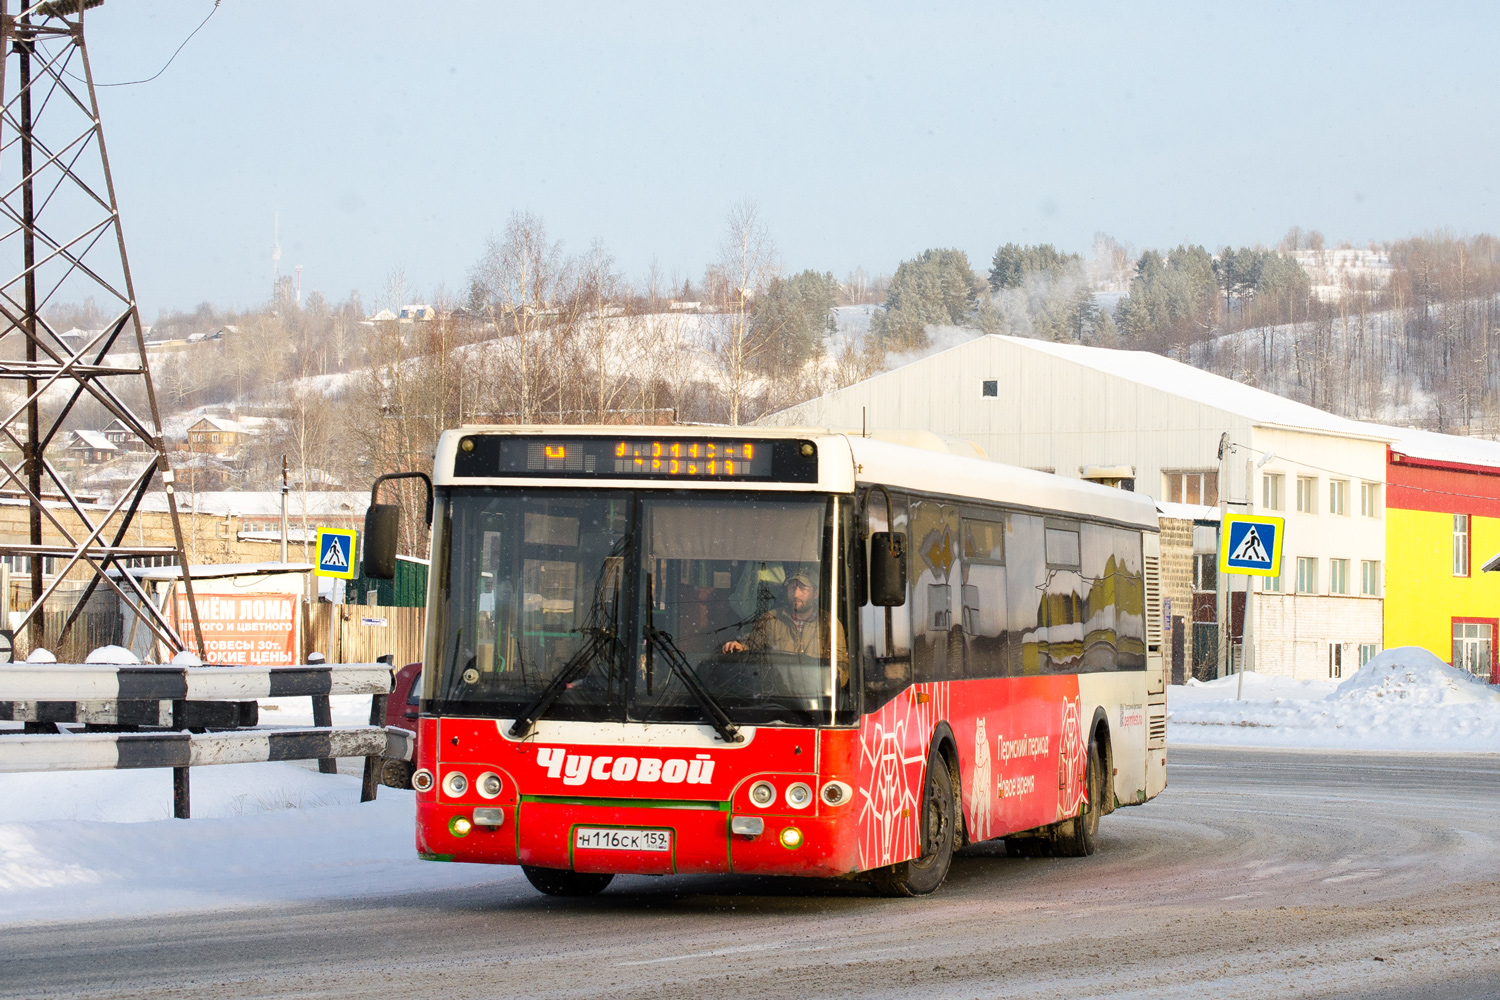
{"x": 336, "y": 548}
{"x": 1251, "y": 545}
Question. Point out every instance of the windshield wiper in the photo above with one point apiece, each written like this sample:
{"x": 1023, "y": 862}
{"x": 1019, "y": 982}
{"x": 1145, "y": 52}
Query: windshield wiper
{"x": 603, "y": 643}
{"x": 657, "y": 639}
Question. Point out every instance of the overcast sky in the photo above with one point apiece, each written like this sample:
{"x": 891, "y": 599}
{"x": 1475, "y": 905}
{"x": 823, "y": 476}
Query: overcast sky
{"x": 402, "y": 135}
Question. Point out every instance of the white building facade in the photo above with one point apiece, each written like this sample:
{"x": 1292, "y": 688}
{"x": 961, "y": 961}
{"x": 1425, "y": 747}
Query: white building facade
{"x": 1158, "y": 425}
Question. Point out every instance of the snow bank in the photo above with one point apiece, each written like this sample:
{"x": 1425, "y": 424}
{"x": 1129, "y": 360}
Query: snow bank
{"x": 95, "y": 844}
{"x": 1403, "y": 699}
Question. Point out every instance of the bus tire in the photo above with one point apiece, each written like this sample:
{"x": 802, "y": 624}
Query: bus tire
{"x": 561, "y": 882}
{"x": 922, "y": 876}
{"x": 1079, "y": 836}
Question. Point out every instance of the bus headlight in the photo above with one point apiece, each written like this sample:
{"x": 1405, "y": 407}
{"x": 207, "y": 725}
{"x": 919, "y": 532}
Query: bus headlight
{"x": 798, "y": 795}
{"x": 791, "y": 838}
{"x": 488, "y": 785}
{"x": 763, "y": 793}
{"x": 421, "y": 780}
{"x": 455, "y": 784}
{"x": 836, "y": 793}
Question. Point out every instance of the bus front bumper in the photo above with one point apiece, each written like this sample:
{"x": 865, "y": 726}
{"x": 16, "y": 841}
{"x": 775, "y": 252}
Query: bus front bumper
{"x": 626, "y": 837}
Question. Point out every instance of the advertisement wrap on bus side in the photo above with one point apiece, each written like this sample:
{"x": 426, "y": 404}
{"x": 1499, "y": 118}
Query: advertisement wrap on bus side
{"x": 1021, "y": 767}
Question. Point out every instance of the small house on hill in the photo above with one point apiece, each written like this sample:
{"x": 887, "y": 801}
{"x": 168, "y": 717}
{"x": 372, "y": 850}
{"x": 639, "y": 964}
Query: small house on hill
{"x": 216, "y": 436}
{"x": 91, "y": 448}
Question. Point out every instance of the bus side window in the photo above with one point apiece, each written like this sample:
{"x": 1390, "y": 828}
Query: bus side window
{"x": 938, "y": 641}
{"x": 1102, "y": 578}
{"x": 1130, "y": 601}
{"x": 887, "y": 670}
{"x": 1025, "y": 591}
{"x": 983, "y": 593}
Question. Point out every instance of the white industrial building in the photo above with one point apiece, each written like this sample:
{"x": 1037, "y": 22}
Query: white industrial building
{"x": 1149, "y": 423}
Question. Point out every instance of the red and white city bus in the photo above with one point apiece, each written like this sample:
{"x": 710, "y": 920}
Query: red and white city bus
{"x": 776, "y": 651}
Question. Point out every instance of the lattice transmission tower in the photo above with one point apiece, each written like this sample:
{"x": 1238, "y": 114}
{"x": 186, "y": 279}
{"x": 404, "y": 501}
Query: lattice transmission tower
{"x": 61, "y": 242}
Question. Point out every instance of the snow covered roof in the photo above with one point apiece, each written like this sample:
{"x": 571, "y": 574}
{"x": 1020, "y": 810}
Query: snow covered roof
{"x": 1184, "y": 381}
{"x": 1186, "y": 511}
{"x": 217, "y": 571}
{"x": 264, "y": 503}
{"x": 93, "y": 439}
{"x": 294, "y": 533}
{"x": 217, "y": 424}
{"x": 1443, "y": 447}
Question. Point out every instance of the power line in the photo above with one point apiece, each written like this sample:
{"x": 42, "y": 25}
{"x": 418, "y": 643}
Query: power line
{"x": 153, "y": 76}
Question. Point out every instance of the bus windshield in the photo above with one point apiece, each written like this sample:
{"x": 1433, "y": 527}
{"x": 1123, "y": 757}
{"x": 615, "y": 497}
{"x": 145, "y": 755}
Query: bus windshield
{"x": 658, "y": 606}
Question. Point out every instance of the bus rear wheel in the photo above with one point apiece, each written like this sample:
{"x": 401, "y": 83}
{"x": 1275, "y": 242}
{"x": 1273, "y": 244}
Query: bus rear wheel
{"x": 922, "y": 876}
{"x": 1079, "y": 836}
{"x": 561, "y": 882}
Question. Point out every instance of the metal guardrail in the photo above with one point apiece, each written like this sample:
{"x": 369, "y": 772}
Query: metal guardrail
{"x": 111, "y": 751}
{"x": 93, "y": 682}
{"x": 190, "y": 697}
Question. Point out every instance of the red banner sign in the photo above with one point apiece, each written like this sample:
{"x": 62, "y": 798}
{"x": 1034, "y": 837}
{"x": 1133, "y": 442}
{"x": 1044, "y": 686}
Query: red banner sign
{"x": 251, "y": 629}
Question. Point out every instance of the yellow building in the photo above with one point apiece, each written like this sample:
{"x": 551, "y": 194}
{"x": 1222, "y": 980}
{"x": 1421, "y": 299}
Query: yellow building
{"x": 1442, "y": 526}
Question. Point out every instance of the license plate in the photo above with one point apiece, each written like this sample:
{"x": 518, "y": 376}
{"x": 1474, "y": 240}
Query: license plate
{"x": 614, "y": 839}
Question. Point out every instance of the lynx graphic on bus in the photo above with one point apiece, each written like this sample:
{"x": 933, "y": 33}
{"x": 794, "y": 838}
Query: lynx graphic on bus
{"x": 792, "y": 652}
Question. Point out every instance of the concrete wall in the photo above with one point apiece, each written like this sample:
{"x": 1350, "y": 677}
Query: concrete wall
{"x": 1290, "y": 631}
{"x": 1291, "y": 635}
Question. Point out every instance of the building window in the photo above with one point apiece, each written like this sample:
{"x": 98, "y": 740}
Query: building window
{"x": 1307, "y": 495}
{"x": 1205, "y": 571}
{"x": 1460, "y": 544}
{"x": 1273, "y": 492}
{"x": 1474, "y": 647}
{"x": 1338, "y": 496}
{"x": 990, "y": 387}
{"x": 1369, "y": 499}
{"x": 1368, "y": 651}
{"x": 1369, "y": 577}
{"x": 1338, "y": 576}
{"x": 1307, "y": 575}
{"x": 1335, "y": 660}
{"x": 1270, "y": 584}
{"x": 1191, "y": 487}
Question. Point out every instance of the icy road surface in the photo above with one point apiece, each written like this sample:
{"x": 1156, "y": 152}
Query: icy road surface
{"x": 1259, "y": 873}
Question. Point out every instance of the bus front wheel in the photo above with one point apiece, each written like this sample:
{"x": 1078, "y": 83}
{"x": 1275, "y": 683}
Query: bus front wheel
{"x": 922, "y": 876}
{"x": 561, "y": 882}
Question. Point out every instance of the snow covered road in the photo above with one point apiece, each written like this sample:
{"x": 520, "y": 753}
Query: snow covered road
{"x": 1258, "y": 873}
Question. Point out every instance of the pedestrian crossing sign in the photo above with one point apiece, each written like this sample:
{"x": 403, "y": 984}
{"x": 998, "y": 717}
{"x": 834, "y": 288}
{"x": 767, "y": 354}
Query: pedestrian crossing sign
{"x": 1250, "y": 544}
{"x": 336, "y": 548}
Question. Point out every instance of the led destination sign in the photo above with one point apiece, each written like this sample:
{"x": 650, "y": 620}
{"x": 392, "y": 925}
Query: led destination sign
{"x": 710, "y": 459}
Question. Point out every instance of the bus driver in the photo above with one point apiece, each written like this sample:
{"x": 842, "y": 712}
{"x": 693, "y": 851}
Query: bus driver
{"x": 795, "y": 628}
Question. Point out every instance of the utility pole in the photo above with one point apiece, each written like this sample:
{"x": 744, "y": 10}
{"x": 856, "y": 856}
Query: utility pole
{"x": 1222, "y": 617}
{"x": 67, "y": 235}
{"x": 285, "y": 488}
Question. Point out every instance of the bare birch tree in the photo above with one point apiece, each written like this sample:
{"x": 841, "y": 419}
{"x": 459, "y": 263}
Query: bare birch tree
{"x": 747, "y": 261}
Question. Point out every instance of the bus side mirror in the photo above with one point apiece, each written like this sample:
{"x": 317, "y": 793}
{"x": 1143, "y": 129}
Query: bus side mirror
{"x": 382, "y": 532}
{"x": 888, "y": 569}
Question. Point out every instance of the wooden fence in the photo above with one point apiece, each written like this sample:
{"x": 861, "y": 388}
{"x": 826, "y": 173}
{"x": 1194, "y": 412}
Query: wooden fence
{"x": 362, "y": 633}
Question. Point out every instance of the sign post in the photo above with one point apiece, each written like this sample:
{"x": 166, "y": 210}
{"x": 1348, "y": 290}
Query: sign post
{"x": 336, "y": 553}
{"x": 1250, "y": 545}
